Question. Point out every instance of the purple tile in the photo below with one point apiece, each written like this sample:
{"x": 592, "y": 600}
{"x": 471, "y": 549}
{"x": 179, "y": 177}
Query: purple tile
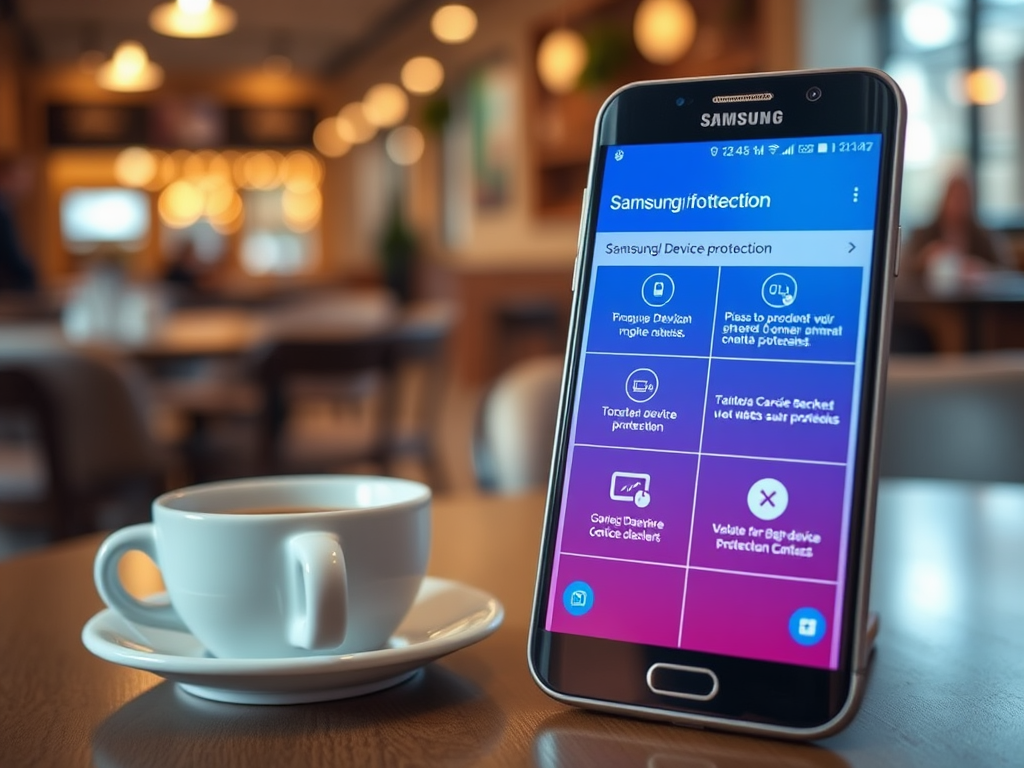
{"x": 802, "y": 541}
{"x": 664, "y": 411}
{"x": 813, "y": 410}
{"x": 749, "y": 617}
{"x": 597, "y": 524}
{"x": 631, "y": 602}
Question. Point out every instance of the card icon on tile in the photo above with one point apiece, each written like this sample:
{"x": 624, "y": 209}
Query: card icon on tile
{"x": 631, "y": 486}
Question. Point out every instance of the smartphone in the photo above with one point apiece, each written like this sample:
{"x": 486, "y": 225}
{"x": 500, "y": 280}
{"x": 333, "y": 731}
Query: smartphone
{"x": 707, "y": 546}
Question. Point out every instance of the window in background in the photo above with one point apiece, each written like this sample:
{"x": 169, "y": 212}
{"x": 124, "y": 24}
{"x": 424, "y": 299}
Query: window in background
{"x": 928, "y": 55}
{"x": 276, "y": 235}
{"x": 104, "y": 216}
{"x": 1001, "y": 125}
{"x": 960, "y": 65}
{"x": 282, "y": 202}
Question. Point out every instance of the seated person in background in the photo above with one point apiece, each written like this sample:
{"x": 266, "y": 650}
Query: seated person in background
{"x": 16, "y": 270}
{"x": 185, "y": 269}
{"x": 188, "y": 271}
{"x": 955, "y": 248}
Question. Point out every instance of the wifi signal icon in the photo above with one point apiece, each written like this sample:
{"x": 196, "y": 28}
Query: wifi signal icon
{"x": 773, "y": 148}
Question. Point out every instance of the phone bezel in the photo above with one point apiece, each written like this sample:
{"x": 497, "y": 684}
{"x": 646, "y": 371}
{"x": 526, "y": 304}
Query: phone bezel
{"x": 852, "y": 101}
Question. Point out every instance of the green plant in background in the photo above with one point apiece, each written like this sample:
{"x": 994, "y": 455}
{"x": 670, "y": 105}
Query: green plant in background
{"x": 609, "y": 48}
{"x": 436, "y": 113}
{"x": 398, "y": 249}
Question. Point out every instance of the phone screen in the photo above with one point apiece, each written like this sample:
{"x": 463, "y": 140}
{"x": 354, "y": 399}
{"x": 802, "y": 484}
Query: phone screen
{"x": 707, "y": 492}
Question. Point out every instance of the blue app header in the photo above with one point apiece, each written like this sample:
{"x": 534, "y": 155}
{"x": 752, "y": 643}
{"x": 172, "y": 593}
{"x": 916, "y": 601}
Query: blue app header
{"x": 818, "y": 183}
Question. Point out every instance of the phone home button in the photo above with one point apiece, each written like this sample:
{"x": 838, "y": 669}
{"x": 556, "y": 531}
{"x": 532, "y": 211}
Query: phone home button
{"x": 681, "y": 682}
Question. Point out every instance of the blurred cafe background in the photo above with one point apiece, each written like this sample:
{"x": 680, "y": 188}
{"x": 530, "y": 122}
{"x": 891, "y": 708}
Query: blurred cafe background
{"x": 253, "y": 236}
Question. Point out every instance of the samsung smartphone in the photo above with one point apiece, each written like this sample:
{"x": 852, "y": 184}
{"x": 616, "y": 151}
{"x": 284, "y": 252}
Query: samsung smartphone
{"x": 707, "y": 546}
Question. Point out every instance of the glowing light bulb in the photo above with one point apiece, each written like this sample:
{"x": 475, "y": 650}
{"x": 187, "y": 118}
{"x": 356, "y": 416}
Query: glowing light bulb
{"x": 561, "y": 59}
{"x": 135, "y": 167}
{"x": 327, "y": 138}
{"x": 984, "y": 86}
{"x": 129, "y": 69}
{"x": 193, "y": 18}
{"x": 664, "y": 30}
{"x": 422, "y": 75}
{"x": 453, "y": 23}
{"x": 353, "y": 127}
{"x": 194, "y": 6}
{"x": 385, "y": 105}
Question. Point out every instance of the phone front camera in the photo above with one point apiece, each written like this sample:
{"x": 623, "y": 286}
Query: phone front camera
{"x": 813, "y": 93}
{"x": 680, "y": 101}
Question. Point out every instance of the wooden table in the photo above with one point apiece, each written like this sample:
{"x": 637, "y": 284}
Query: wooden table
{"x": 227, "y": 332}
{"x": 946, "y": 687}
{"x": 968, "y": 318}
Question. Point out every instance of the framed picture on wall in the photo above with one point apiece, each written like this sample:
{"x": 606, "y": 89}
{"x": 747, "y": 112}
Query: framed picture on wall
{"x": 493, "y": 116}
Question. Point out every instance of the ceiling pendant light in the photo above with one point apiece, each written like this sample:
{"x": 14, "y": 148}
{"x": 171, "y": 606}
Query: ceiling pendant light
{"x": 385, "y": 105}
{"x": 422, "y": 75}
{"x": 561, "y": 58}
{"x": 984, "y": 86}
{"x": 193, "y": 18}
{"x": 129, "y": 70}
{"x": 453, "y": 23}
{"x": 664, "y": 30}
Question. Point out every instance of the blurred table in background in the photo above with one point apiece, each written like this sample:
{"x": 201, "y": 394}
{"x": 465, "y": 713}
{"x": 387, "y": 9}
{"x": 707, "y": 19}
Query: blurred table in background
{"x": 946, "y": 685}
{"x": 983, "y": 315}
{"x": 201, "y": 362}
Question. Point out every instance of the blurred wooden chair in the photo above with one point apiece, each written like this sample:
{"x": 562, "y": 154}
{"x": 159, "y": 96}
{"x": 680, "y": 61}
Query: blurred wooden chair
{"x": 516, "y": 428}
{"x": 295, "y": 375}
{"x": 955, "y": 417}
{"x": 420, "y": 358}
{"x": 84, "y": 420}
{"x": 341, "y": 402}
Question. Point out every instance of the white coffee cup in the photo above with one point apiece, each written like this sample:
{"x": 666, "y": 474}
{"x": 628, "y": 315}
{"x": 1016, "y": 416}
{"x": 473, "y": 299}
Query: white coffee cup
{"x": 334, "y": 575}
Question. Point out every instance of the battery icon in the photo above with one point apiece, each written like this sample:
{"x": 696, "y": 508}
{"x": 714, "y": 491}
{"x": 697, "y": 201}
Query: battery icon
{"x": 823, "y": 146}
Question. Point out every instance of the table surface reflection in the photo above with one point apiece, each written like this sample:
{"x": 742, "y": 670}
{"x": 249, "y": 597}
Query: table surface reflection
{"x": 946, "y": 687}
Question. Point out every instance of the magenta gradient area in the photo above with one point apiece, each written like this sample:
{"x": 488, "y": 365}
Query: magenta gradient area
{"x": 748, "y": 616}
{"x": 633, "y": 602}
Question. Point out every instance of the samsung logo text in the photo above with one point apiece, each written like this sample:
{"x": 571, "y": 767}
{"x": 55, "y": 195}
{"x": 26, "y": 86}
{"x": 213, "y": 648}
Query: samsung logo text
{"x": 724, "y": 119}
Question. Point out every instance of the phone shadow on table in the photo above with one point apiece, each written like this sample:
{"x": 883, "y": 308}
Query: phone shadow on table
{"x": 593, "y": 740}
{"x": 418, "y": 722}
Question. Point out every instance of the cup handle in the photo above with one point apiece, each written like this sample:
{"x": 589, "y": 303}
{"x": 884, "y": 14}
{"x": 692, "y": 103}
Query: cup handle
{"x": 319, "y": 616}
{"x": 108, "y": 582}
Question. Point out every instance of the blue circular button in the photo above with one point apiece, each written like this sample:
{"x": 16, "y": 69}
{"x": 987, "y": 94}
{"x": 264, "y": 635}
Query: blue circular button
{"x": 578, "y": 598}
{"x": 807, "y": 626}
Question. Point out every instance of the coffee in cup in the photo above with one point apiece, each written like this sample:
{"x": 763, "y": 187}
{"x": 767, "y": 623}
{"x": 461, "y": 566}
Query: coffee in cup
{"x": 278, "y": 567}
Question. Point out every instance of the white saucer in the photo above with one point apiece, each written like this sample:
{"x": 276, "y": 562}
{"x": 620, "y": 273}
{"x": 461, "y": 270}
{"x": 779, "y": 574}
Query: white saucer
{"x": 445, "y": 617}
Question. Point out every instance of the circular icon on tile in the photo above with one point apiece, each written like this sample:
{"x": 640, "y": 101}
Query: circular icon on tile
{"x": 779, "y": 290}
{"x": 641, "y": 385}
{"x": 578, "y": 598}
{"x": 658, "y": 290}
{"x": 807, "y": 626}
{"x": 767, "y": 498}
